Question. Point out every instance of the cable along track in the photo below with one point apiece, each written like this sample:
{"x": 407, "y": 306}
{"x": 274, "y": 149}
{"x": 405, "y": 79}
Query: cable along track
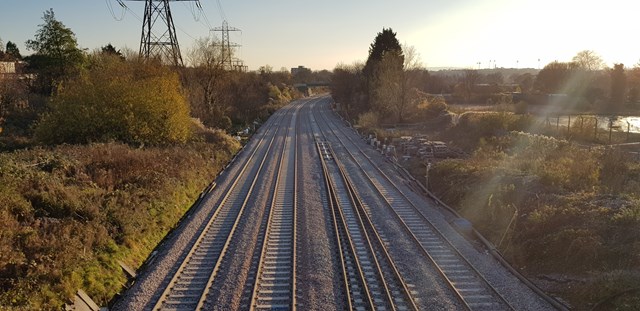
{"x": 275, "y": 281}
{"x": 468, "y": 284}
{"x": 371, "y": 278}
{"x": 189, "y": 286}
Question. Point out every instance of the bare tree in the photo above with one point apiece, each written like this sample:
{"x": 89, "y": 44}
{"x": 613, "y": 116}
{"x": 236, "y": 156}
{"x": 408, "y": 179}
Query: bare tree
{"x": 386, "y": 85}
{"x": 468, "y": 83}
{"x": 206, "y": 80}
{"x": 394, "y": 86}
{"x": 588, "y": 60}
{"x": 412, "y": 59}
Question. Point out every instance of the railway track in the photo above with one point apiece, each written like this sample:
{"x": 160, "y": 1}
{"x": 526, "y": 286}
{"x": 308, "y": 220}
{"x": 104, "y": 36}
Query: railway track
{"x": 467, "y": 284}
{"x": 371, "y": 278}
{"x": 275, "y": 281}
{"x": 188, "y": 289}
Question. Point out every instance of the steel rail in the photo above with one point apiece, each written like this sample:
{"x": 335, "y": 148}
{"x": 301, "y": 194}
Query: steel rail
{"x": 356, "y": 287}
{"x": 235, "y": 225}
{"x": 421, "y": 215}
{"x": 345, "y": 238}
{"x": 277, "y": 239}
{"x": 369, "y": 237}
{"x": 368, "y": 224}
{"x": 166, "y": 294}
{"x": 332, "y": 203}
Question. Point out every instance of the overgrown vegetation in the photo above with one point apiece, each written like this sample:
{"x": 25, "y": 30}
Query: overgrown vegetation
{"x": 133, "y": 102}
{"x": 69, "y": 213}
{"x": 553, "y": 208}
{"x": 102, "y": 153}
{"x": 564, "y": 213}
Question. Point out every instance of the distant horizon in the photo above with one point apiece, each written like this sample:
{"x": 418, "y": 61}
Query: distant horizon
{"x": 446, "y": 34}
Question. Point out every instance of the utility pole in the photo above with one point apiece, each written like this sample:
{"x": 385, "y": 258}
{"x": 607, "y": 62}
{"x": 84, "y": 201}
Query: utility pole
{"x": 426, "y": 174}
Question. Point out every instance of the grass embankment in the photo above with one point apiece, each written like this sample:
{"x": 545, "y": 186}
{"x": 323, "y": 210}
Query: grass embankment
{"x": 69, "y": 213}
{"x": 566, "y": 216}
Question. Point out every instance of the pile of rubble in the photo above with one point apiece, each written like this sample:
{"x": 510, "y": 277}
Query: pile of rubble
{"x": 407, "y": 147}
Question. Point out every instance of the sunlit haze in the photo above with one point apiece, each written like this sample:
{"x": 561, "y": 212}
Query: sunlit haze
{"x": 321, "y": 34}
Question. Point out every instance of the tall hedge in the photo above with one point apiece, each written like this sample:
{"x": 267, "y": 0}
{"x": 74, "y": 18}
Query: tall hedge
{"x": 116, "y": 100}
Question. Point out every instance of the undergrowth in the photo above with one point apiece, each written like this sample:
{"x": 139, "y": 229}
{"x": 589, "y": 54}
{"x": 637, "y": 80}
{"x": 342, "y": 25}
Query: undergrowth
{"x": 552, "y": 207}
{"x": 70, "y": 213}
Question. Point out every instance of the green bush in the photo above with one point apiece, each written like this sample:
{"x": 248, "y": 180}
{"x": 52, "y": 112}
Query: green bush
{"x": 115, "y": 100}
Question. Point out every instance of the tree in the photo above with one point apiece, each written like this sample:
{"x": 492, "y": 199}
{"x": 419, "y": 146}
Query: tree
{"x": 133, "y": 102}
{"x": 468, "y": 83}
{"x": 266, "y": 69}
{"x": 249, "y": 93}
{"x": 57, "y": 55}
{"x": 2, "y": 56}
{"x": 495, "y": 79}
{"x": 386, "y": 88}
{"x": 384, "y": 42}
{"x": 411, "y": 59}
{"x": 588, "y": 60}
{"x": 633, "y": 83}
{"x": 383, "y": 72}
{"x": 111, "y": 50}
{"x": 12, "y": 51}
{"x": 553, "y": 77}
{"x": 348, "y": 87}
{"x": 525, "y": 81}
{"x": 208, "y": 82}
{"x": 618, "y": 86}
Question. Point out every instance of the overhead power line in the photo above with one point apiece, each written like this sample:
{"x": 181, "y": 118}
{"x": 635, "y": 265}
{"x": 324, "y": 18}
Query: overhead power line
{"x": 110, "y": 7}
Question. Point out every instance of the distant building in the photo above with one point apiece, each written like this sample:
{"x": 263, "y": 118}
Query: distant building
{"x": 7, "y": 68}
{"x": 299, "y": 69}
{"x": 12, "y": 70}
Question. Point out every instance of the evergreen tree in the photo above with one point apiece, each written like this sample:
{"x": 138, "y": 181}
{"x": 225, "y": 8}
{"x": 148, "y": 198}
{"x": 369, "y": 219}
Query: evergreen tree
{"x": 13, "y": 51}
{"x": 109, "y": 49}
{"x": 618, "y": 86}
{"x": 377, "y": 78}
{"x": 384, "y": 42}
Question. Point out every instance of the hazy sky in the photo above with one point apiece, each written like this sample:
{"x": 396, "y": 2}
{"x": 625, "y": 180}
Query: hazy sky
{"x": 321, "y": 34}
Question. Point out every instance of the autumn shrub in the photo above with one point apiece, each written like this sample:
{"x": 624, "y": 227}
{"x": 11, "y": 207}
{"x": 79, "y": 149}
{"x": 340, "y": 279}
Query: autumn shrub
{"x": 369, "y": 120}
{"x": 69, "y": 213}
{"x": 615, "y": 166}
{"x": 116, "y": 100}
{"x": 549, "y": 205}
{"x": 473, "y": 127}
{"x": 507, "y": 174}
{"x": 431, "y": 108}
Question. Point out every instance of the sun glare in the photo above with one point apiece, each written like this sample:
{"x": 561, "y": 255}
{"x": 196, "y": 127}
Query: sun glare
{"x": 528, "y": 34}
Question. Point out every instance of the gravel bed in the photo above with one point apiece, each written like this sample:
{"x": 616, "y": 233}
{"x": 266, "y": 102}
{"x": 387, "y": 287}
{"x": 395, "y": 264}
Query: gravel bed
{"x": 517, "y": 293}
{"x": 157, "y": 272}
{"x": 319, "y": 279}
{"x": 226, "y": 291}
{"x": 429, "y": 290}
{"x": 319, "y": 275}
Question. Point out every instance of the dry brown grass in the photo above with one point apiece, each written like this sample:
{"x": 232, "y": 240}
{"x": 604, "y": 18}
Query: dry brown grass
{"x": 68, "y": 213}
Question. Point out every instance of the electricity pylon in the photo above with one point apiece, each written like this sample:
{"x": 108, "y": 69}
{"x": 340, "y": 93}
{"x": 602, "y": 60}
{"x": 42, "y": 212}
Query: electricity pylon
{"x": 159, "y": 33}
{"x": 227, "y": 47}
